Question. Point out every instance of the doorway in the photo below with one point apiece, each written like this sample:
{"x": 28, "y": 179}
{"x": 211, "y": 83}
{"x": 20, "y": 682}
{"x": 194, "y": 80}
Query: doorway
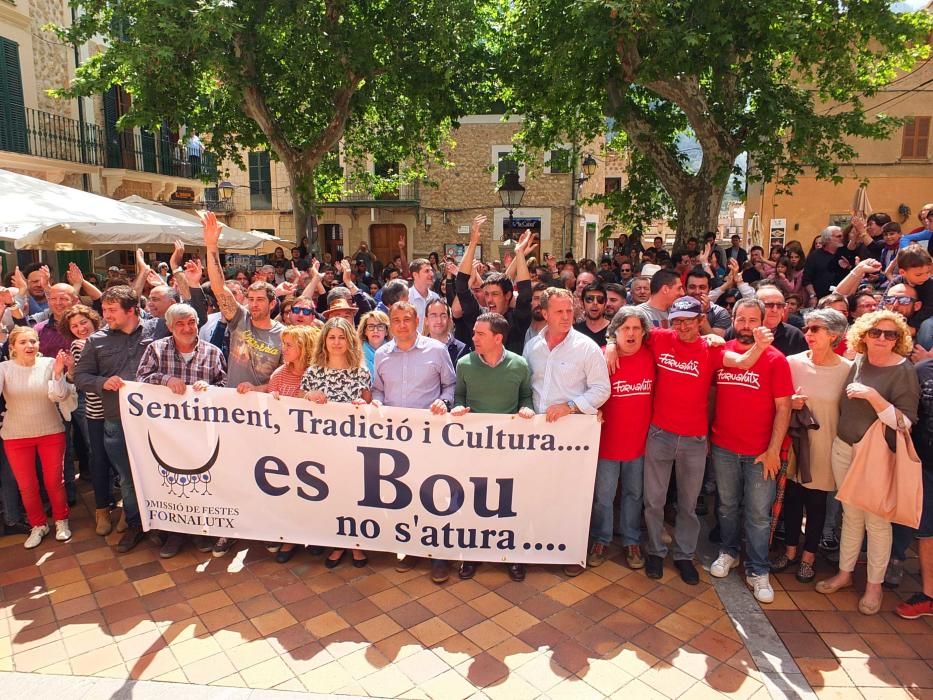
{"x": 383, "y": 240}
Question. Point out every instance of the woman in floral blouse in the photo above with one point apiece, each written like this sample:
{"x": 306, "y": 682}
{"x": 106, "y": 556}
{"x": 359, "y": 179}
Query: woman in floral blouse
{"x": 338, "y": 373}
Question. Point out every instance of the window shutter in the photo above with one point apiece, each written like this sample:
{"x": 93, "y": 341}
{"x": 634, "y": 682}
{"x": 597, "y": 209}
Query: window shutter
{"x": 12, "y": 106}
{"x": 110, "y": 128}
{"x": 921, "y": 136}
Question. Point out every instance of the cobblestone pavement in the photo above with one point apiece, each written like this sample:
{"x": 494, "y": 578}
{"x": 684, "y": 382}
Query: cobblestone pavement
{"x": 245, "y": 621}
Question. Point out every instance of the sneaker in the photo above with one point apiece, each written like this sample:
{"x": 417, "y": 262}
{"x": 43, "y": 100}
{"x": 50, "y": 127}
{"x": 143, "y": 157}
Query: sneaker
{"x": 573, "y": 570}
{"x": 16, "y": 529}
{"x": 222, "y": 546}
{"x": 829, "y": 543}
{"x": 440, "y": 570}
{"x": 35, "y": 536}
{"x": 406, "y": 563}
{"x": 273, "y": 547}
{"x": 597, "y": 555}
{"x": 723, "y": 565}
{"x": 62, "y": 531}
{"x": 654, "y": 566}
{"x": 761, "y": 587}
{"x": 894, "y": 573}
{"x": 920, "y": 605}
{"x": 634, "y": 557}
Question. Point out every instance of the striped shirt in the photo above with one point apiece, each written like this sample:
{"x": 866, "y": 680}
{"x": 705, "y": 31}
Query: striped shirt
{"x": 93, "y": 404}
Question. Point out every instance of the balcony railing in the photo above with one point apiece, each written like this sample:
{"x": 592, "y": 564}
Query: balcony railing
{"x": 405, "y": 193}
{"x": 46, "y": 135}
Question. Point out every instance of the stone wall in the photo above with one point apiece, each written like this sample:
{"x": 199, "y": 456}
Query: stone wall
{"x": 52, "y": 58}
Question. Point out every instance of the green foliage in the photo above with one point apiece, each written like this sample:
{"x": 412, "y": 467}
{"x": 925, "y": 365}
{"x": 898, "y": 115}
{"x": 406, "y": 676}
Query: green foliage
{"x": 387, "y": 76}
{"x": 783, "y": 80}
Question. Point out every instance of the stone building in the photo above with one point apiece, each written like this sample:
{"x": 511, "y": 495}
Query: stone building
{"x": 76, "y": 142}
{"x": 436, "y": 217}
{"x": 898, "y": 171}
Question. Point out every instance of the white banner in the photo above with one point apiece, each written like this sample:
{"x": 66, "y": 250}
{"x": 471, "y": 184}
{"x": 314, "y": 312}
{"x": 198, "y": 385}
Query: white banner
{"x": 480, "y": 487}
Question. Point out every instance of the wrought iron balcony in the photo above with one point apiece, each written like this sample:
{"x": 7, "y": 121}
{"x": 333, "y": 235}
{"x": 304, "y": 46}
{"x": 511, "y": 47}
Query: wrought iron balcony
{"x": 46, "y": 135}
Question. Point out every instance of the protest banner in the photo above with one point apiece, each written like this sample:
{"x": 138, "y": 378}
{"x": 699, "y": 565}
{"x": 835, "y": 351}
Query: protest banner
{"x": 479, "y": 487}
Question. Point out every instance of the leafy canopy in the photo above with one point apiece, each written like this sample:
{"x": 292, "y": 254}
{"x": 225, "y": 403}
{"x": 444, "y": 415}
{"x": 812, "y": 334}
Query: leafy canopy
{"x": 783, "y": 80}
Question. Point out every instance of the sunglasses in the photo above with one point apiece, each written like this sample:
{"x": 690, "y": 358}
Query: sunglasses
{"x": 589, "y": 299}
{"x": 626, "y": 269}
{"x": 302, "y": 310}
{"x": 888, "y": 335}
{"x": 775, "y": 304}
{"x": 377, "y": 327}
{"x": 890, "y": 301}
{"x": 813, "y": 329}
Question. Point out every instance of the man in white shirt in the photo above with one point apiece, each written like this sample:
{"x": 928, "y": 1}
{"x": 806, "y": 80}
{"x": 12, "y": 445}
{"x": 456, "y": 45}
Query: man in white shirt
{"x": 568, "y": 371}
{"x": 420, "y": 293}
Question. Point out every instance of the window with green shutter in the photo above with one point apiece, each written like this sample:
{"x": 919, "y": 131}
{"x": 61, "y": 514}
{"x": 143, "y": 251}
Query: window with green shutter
{"x": 260, "y": 181}
{"x": 12, "y": 107}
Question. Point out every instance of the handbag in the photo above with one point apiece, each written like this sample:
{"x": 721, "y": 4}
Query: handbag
{"x": 885, "y": 483}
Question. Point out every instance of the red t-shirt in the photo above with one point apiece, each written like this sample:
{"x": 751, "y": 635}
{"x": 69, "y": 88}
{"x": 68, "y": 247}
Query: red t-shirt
{"x": 627, "y": 413}
{"x": 745, "y": 402}
{"x": 684, "y": 374}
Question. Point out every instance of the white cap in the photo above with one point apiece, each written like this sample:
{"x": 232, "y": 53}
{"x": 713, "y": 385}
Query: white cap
{"x": 648, "y": 269}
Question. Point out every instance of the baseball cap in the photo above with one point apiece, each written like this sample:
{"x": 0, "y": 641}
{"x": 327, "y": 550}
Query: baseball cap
{"x": 685, "y": 307}
{"x": 114, "y": 268}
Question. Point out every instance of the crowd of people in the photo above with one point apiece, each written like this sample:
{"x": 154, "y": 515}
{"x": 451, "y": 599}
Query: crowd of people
{"x": 713, "y": 372}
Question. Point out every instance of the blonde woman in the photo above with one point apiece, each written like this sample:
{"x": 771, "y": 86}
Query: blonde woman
{"x": 373, "y": 331}
{"x": 337, "y": 374}
{"x": 881, "y": 384}
{"x": 32, "y": 386}
{"x": 298, "y": 344}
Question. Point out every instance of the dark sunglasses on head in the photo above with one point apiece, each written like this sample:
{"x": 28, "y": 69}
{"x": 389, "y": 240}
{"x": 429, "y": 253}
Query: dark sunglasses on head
{"x": 302, "y": 310}
{"x": 888, "y": 335}
{"x": 590, "y": 298}
{"x": 890, "y": 301}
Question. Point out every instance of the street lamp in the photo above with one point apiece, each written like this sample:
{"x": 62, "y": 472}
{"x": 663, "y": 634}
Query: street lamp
{"x": 588, "y": 167}
{"x": 511, "y": 194}
{"x": 226, "y": 190}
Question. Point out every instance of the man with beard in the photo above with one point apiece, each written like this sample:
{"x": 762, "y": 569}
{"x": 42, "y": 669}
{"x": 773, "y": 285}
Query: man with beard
{"x": 594, "y": 322}
{"x": 498, "y": 290}
{"x": 685, "y": 366}
{"x": 752, "y": 413}
{"x": 537, "y": 318}
{"x": 615, "y": 299}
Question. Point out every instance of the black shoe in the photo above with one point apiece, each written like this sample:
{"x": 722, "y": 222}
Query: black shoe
{"x": 157, "y": 537}
{"x": 16, "y": 529}
{"x": 315, "y": 551}
{"x": 334, "y": 563}
{"x": 688, "y": 572}
{"x": 714, "y": 535}
{"x": 517, "y": 572}
{"x": 701, "y": 508}
{"x": 203, "y": 544}
{"x": 132, "y": 537}
{"x": 172, "y": 546}
{"x": 360, "y": 563}
{"x": 283, "y": 556}
{"x": 440, "y": 570}
{"x": 654, "y": 566}
{"x": 468, "y": 569}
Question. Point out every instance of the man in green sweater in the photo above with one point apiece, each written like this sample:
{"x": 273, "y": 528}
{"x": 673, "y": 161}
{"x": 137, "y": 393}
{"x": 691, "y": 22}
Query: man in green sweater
{"x": 492, "y": 379}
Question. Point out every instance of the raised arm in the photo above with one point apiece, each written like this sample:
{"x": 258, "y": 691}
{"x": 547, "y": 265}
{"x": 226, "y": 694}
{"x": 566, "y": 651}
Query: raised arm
{"x": 215, "y": 273}
{"x": 404, "y": 272}
{"x": 850, "y": 282}
{"x": 763, "y": 338}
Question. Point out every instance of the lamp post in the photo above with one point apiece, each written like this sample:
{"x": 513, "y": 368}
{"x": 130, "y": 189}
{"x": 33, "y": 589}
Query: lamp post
{"x": 587, "y": 170}
{"x": 511, "y": 194}
{"x": 226, "y": 189}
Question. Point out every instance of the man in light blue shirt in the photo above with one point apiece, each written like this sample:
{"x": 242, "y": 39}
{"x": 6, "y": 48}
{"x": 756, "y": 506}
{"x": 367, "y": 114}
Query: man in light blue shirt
{"x": 414, "y": 371}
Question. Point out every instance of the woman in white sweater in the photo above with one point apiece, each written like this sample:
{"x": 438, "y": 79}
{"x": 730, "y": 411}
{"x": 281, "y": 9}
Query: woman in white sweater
{"x": 32, "y": 386}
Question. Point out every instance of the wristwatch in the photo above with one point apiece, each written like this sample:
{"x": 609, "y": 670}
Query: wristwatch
{"x": 573, "y": 407}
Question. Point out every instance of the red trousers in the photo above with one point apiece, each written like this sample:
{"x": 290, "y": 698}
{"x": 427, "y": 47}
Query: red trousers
{"x": 21, "y": 454}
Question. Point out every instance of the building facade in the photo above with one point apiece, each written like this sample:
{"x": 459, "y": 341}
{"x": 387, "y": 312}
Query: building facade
{"x": 898, "y": 171}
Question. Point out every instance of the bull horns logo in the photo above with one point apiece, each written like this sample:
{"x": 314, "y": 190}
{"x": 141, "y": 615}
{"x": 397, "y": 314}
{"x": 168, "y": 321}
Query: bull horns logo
{"x": 185, "y": 479}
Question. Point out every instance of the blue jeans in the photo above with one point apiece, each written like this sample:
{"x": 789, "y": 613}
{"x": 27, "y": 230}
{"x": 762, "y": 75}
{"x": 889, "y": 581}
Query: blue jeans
{"x": 100, "y": 464}
{"x": 661, "y": 452}
{"x": 9, "y": 492}
{"x": 71, "y": 491}
{"x": 925, "y": 334}
{"x": 903, "y": 538}
{"x": 608, "y": 472}
{"x": 743, "y": 487}
{"x": 115, "y": 446}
